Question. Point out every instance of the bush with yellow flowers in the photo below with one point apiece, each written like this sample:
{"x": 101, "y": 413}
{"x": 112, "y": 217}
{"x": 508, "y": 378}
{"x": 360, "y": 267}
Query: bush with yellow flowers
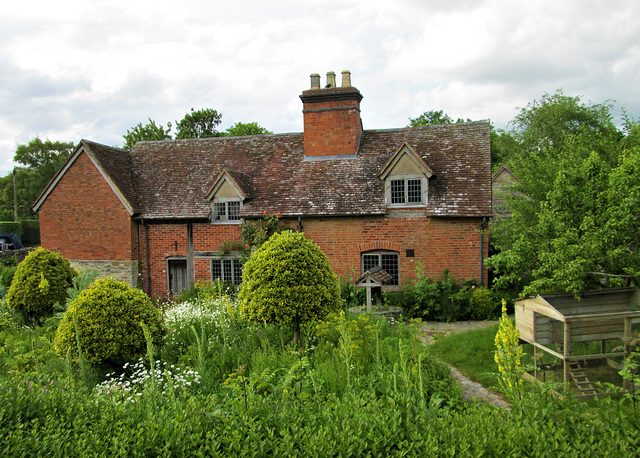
{"x": 508, "y": 353}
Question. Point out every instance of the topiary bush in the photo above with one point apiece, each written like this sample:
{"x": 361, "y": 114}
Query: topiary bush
{"x": 40, "y": 281}
{"x": 288, "y": 280}
{"x": 108, "y": 317}
{"x": 484, "y": 304}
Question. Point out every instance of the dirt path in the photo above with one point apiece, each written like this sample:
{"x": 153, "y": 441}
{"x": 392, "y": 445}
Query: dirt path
{"x": 470, "y": 389}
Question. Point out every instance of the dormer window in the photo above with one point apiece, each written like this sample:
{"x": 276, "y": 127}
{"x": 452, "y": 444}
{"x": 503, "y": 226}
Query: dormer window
{"x": 406, "y": 176}
{"x": 227, "y": 196}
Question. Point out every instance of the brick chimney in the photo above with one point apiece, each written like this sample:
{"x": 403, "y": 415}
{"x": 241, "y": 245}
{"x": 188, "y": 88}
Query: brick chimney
{"x": 332, "y": 124}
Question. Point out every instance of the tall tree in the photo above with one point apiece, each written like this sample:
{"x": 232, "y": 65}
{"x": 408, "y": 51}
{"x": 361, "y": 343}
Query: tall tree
{"x": 199, "y": 124}
{"x": 542, "y": 129}
{"x": 241, "y": 129}
{"x": 574, "y": 225}
{"x": 433, "y": 117}
{"x": 148, "y": 132}
{"x": 40, "y": 160}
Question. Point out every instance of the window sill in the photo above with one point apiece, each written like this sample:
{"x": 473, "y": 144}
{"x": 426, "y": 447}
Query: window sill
{"x": 228, "y": 222}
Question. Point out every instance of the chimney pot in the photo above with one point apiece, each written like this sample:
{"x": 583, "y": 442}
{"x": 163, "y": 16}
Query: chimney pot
{"x": 346, "y": 78}
{"x": 315, "y": 81}
{"x": 332, "y": 124}
{"x": 331, "y": 79}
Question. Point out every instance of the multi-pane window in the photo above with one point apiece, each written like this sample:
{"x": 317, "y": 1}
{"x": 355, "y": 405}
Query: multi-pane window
{"x": 227, "y": 270}
{"x": 226, "y": 210}
{"x": 388, "y": 261}
{"x": 406, "y": 191}
{"x": 414, "y": 191}
{"x": 397, "y": 192}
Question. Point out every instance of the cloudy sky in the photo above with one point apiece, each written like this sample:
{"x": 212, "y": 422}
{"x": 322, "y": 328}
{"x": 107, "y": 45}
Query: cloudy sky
{"x": 73, "y": 69}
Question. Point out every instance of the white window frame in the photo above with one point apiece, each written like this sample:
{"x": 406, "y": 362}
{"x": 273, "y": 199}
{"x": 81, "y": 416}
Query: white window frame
{"x": 379, "y": 254}
{"x": 424, "y": 185}
{"x": 225, "y": 219}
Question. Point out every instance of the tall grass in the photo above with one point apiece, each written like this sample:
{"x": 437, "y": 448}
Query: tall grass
{"x": 221, "y": 386}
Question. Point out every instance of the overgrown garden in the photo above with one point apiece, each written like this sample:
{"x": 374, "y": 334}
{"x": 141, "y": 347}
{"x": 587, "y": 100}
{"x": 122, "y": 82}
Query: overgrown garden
{"x": 206, "y": 377}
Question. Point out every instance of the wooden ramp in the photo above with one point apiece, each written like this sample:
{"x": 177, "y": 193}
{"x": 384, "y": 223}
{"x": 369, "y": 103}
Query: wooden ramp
{"x": 579, "y": 377}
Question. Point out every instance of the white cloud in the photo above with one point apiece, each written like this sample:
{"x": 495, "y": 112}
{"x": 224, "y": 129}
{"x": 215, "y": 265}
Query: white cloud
{"x": 75, "y": 69}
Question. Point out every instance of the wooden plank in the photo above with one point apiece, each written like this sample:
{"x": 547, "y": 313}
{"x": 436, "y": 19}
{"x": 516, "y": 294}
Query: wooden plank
{"x": 595, "y": 356}
{"x": 566, "y": 345}
{"x": 548, "y": 350}
{"x": 599, "y": 316}
{"x": 539, "y": 305}
{"x": 613, "y": 364}
{"x": 593, "y": 309}
{"x": 595, "y": 337}
{"x": 525, "y": 315}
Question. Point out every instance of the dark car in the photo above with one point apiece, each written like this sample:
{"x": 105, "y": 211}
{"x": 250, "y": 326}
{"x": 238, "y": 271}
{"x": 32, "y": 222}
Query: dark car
{"x": 10, "y": 242}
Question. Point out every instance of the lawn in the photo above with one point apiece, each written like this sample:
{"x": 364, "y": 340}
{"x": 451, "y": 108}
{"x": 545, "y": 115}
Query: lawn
{"x": 472, "y": 353}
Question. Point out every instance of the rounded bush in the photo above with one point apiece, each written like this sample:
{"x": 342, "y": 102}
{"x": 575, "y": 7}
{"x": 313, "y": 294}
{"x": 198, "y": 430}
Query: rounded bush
{"x": 109, "y": 316}
{"x": 288, "y": 280}
{"x": 40, "y": 281}
{"x": 484, "y": 304}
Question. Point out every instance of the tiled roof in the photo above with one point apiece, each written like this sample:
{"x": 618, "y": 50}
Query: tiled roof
{"x": 171, "y": 179}
{"x": 117, "y": 164}
{"x": 378, "y": 274}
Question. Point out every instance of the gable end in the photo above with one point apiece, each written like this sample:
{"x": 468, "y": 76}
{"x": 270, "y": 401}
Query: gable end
{"x": 83, "y": 147}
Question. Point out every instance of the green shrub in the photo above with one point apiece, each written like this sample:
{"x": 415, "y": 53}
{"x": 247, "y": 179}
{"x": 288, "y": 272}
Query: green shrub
{"x": 40, "y": 281}
{"x": 484, "y": 305}
{"x": 207, "y": 290}
{"x": 288, "y": 280}
{"x": 351, "y": 295}
{"x": 108, "y": 316}
{"x": 8, "y": 267}
{"x": 437, "y": 299}
{"x": 13, "y": 227}
{"x": 30, "y": 232}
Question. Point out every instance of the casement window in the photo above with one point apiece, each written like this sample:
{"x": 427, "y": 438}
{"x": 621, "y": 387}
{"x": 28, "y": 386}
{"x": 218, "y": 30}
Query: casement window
{"x": 387, "y": 260}
{"x": 406, "y": 191}
{"x": 226, "y": 210}
{"x": 226, "y": 270}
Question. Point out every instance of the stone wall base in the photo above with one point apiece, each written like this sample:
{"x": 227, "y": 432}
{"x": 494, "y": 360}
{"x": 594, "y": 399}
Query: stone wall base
{"x": 125, "y": 271}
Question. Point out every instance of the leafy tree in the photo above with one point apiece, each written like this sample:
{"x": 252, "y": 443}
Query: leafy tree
{"x": 288, "y": 280}
{"x": 433, "y": 117}
{"x": 199, "y": 124}
{"x": 6, "y": 198}
{"x": 575, "y": 225}
{"x": 39, "y": 160}
{"x": 541, "y": 131}
{"x": 241, "y": 129}
{"x": 149, "y": 132}
{"x": 503, "y": 146}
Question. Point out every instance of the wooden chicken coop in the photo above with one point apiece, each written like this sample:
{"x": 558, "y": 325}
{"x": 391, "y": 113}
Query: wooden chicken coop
{"x": 553, "y": 322}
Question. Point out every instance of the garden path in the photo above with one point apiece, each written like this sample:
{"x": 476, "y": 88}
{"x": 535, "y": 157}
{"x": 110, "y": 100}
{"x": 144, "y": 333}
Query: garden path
{"x": 470, "y": 389}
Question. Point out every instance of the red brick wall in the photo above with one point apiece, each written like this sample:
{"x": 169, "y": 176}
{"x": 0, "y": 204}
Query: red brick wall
{"x": 82, "y": 218}
{"x": 439, "y": 244}
{"x": 332, "y": 132}
{"x": 171, "y": 240}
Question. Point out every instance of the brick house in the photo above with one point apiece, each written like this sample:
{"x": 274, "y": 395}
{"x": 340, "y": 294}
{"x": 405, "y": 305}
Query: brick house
{"x": 158, "y": 215}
